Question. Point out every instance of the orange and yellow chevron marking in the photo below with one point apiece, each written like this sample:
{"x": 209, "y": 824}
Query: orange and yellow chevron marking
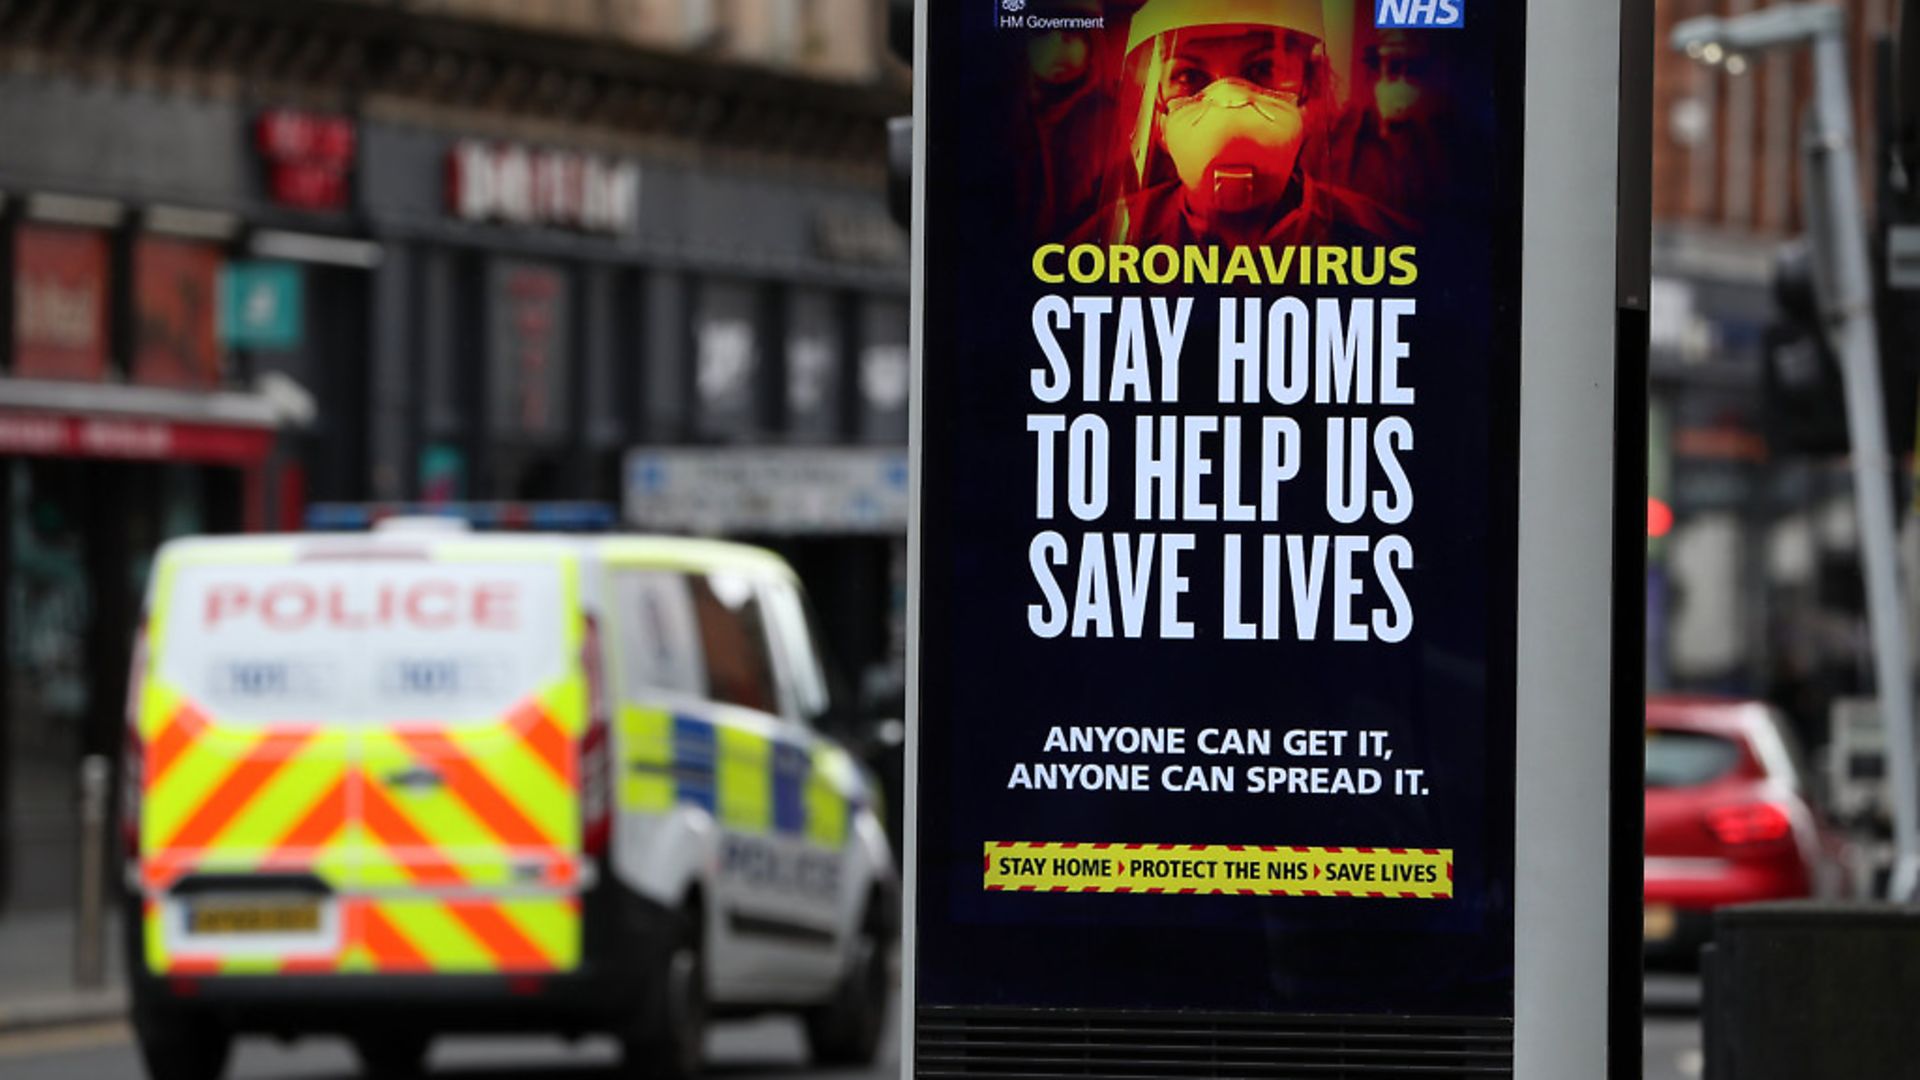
{"x": 545, "y": 739}
{"x": 1220, "y": 869}
{"x": 417, "y": 855}
{"x": 500, "y": 936}
{"x": 249, "y": 775}
{"x": 181, "y": 729}
{"x": 483, "y": 798}
{"x": 153, "y": 938}
{"x": 236, "y": 799}
{"x": 321, "y": 823}
{"x": 386, "y": 947}
{"x": 412, "y": 935}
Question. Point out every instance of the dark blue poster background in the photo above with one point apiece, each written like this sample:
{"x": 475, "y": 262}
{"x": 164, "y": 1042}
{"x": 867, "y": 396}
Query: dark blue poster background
{"x": 1061, "y": 136}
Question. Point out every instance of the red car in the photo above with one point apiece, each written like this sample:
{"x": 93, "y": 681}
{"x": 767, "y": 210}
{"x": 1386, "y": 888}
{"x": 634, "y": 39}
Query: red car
{"x": 1730, "y": 819}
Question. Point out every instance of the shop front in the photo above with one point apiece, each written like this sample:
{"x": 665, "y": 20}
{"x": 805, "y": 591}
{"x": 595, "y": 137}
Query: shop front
{"x": 166, "y": 350}
{"x": 89, "y": 496}
{"x": 541, "y": 309}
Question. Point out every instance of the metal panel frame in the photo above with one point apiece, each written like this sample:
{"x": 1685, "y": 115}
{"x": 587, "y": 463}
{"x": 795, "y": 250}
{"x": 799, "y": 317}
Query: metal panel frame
{"x": 1584, "y": 258}
{"x": 1581, "y": 243}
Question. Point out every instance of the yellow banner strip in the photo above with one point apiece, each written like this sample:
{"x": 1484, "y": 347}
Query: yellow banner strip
{"x": 1220, "y": 869}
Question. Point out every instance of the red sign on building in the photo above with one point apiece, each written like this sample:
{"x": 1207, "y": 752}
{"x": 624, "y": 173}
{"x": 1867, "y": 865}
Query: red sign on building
{"x": 176, "y": 303}
{"x": 34, "y": 434}
{"x": 59, "y": 303}
{"x": 309, "y": 157}
{"x": 520, "y": 185}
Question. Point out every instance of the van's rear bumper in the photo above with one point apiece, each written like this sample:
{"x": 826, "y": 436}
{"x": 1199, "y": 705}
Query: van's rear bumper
{"x": 624, "y": 940}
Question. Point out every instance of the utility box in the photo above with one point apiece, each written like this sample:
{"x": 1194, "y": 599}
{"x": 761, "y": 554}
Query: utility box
{"x": 1857, "y": 761}
{"x": 1802, "y": 989}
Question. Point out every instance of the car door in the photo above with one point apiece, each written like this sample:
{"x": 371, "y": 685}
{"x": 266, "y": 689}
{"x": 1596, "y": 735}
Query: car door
{"x": 820, "y": 781}
{"x": 767, "y": 882}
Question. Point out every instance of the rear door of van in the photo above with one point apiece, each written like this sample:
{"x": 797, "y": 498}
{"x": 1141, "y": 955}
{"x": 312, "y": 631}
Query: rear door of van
{"x": 359, "y": 757}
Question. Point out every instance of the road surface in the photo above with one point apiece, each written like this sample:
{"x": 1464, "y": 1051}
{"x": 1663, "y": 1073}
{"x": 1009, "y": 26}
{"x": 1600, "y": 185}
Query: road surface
{"x": 746, "y": 1050}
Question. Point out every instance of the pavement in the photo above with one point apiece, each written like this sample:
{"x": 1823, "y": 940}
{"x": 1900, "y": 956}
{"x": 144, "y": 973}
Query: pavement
{"x": 37, "y": 985}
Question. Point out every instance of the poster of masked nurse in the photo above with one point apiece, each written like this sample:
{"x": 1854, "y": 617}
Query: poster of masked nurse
{"x": 1219, "y": 359}
{"x": 1216, "y": 121}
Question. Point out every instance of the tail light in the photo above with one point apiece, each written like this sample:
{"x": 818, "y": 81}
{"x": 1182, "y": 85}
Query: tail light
{"x": 133, "y": 751}
{"x": 596, "y": 750}
{"x": 1752, "y": 823}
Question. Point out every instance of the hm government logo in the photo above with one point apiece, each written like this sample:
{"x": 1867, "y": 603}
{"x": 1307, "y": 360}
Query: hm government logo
{"x": 1013, "y": 15}
{"x": 1419, "y": 14}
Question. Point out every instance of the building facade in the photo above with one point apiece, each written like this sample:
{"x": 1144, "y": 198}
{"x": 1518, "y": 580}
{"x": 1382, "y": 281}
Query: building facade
{"x": 262, "y": 256}
{"x": 1753, "y": 584}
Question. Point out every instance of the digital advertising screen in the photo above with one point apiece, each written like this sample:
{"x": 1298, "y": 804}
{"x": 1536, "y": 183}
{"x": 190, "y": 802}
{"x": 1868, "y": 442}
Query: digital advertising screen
{"x": 1218, "y": 462}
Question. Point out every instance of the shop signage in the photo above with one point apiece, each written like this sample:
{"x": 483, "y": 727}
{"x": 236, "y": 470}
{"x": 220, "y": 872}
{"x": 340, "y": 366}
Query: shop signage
{"x": 56, "y": 435}
{"x": 767, "y": 491}
{"x": 262, "y": 305}
{"x": 309, "y": 157}
{"x": 528, "y": 380}
{"x": 1221, "y": 554}
{"x": 176, "y": 286}
{"x": 858, "y": 236}
{"x": 59, "y": 303}
{"x": 514, "y": 184}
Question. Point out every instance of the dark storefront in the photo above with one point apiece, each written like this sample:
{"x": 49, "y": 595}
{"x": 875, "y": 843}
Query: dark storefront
{"x": 563, "y": 305}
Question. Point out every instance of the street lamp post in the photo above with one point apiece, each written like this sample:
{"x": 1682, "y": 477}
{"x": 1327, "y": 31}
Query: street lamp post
{"x": 1846, "y": 298}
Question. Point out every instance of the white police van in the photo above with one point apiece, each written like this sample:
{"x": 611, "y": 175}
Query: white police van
{"x": 420, "y": 781}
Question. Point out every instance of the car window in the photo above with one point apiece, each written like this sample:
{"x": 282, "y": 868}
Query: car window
{"x": 798, "y": 649}
{"x": 733, "y": 636}
{"x": 1793, "y": 766}
{"x": 1688, "y": 758}
{"x": 657, "y": 635}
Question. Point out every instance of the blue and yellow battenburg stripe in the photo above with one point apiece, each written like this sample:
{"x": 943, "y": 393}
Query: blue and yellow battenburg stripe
{"x": 751, "y": 782}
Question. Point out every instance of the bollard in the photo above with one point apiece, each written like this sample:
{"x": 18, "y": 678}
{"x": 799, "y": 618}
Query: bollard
{"x": 1811, "y": 989}
{"x": 89, "y": 926}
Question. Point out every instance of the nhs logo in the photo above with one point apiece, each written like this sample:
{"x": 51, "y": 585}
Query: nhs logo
{"x": 1410, "y": 14}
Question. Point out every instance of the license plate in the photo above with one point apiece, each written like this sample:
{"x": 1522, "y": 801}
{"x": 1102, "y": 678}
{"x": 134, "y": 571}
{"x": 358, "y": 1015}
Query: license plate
{"x": 275, "y": 917}
{"x": 1657, "y": 922}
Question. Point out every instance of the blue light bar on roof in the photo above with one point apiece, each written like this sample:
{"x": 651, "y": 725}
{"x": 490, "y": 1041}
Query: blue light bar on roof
{"x": 542, "y": 516}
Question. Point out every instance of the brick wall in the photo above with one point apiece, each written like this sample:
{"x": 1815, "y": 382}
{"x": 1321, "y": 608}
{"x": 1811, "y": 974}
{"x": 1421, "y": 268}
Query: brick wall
{"x": 1726, "y": 145}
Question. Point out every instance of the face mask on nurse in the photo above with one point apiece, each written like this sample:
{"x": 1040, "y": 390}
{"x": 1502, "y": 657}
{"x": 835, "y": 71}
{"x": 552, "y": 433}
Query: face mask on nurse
{"x": 1233, "y": 113}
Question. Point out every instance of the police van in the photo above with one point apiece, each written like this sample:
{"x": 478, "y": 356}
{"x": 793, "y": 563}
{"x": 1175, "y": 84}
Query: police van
{"x": 420, "y": 780}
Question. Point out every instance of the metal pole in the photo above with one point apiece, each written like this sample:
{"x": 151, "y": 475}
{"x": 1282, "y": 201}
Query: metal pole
{"x": 89, "y": 925}
{"x": 1830, "y": 152}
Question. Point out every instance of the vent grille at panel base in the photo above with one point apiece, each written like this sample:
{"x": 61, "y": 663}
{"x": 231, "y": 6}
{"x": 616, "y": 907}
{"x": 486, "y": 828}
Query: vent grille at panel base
{"x": 1042, "y": 1044}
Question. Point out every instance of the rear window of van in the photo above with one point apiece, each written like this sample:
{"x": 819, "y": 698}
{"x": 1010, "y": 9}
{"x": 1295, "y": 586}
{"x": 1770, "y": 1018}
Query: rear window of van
{"x": 362, "y": 641}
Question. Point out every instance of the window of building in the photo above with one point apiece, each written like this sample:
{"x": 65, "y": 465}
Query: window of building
{"x": 59, "y": 303}
{"x": 884, "y": 372}
{"x": 727, "y": 361}
{"x": 814, "y": 365}
{"x": 175, "y": 293}
{"x": 657, "y": 635}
